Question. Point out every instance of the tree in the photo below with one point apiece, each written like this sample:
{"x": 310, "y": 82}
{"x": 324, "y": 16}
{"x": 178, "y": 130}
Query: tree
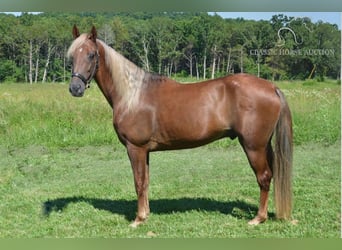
{"x": 33, "y": 47}
{"x": 140, "y": 43}
{"x": 325, "y": 56}
{"x": 121, "y": 34}
{"x": 166, "y": 38}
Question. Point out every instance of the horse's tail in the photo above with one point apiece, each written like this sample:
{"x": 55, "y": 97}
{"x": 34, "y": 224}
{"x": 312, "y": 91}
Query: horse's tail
{"x": 282, "y": 165}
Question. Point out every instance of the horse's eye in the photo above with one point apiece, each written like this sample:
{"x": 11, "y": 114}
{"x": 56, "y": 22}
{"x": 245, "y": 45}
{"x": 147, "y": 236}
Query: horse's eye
{"x": 91, "y": 55}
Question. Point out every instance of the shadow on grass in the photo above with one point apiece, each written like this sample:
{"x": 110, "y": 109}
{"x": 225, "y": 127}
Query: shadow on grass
{"x": 238, "y": 209}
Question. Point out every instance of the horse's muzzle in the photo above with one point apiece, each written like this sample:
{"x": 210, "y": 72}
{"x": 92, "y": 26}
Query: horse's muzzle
{"x": 77, "y": 88}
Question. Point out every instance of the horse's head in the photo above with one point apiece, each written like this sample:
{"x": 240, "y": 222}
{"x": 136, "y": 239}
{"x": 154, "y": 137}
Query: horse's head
{"x": 85, "y": 56}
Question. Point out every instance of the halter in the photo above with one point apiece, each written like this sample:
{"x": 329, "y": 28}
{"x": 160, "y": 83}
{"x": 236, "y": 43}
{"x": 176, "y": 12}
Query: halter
{"x": 87, "y": 81}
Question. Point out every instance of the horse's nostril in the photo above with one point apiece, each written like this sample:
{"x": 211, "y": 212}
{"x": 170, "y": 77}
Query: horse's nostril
{"x": 74, "y": 86}
{"x": 76, "y": 89}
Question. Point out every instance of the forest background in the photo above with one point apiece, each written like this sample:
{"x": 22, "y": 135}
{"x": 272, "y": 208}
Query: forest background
{"x": 195, "y": 45}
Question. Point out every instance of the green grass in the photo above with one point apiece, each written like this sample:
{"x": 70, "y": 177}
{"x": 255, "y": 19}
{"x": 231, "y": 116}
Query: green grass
{"x": 316, "y": 111}
{"x": 64, "y": 173}
{"x": 88, "y": 192}
{"x": 48, "y": 115}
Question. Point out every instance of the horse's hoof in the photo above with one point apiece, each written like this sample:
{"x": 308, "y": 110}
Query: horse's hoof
{"x": 136, "y": 223}
{"x": 256, "y": 221}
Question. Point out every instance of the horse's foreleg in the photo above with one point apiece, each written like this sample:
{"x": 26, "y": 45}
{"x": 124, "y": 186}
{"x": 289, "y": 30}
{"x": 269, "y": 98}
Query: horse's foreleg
{"x": 258, "y": 160}
{"x": 139, "y": 158}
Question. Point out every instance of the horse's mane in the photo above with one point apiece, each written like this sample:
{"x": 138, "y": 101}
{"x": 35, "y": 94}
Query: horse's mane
{"x": 151, "y": 78}
{"x": 133, "y": 72}
{"x": 126, "y": 76}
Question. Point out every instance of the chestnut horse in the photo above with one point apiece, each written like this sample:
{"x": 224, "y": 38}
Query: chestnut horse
{"x": 153, "y": 113}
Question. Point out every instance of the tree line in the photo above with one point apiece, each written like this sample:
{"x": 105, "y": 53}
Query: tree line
{"x": 33, "y": 46}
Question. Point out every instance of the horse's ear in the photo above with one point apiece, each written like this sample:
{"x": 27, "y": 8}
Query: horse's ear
{"x": 93, "y": 34}
{"x": 75, "y": 32}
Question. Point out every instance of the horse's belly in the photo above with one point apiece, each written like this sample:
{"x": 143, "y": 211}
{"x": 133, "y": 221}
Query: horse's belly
{"x": 190, "y": 134}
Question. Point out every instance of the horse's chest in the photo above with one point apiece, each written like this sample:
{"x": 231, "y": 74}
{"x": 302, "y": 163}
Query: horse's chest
{"x": 135, "y": 128}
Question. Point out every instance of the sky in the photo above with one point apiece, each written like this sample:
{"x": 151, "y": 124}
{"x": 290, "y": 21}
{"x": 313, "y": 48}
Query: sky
{"x": 326, "y": 17}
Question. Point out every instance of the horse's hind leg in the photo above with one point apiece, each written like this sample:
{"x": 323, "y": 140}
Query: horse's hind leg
{"x": 260, "y": 160}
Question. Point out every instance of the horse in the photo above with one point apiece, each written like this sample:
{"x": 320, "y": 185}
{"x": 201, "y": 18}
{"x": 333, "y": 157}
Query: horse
{"x": 155, "y": 113}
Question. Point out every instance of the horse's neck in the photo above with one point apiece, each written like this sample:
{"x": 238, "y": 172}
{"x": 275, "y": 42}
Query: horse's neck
{"x": 104, "y": 83}
{"x": 119, "y": 79}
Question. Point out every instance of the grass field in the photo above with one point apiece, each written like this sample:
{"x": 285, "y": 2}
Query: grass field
{"x": 64, "y": 174}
